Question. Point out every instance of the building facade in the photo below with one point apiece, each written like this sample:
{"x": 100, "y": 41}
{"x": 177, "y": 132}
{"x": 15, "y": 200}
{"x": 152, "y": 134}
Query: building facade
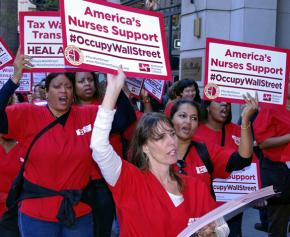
{"x": 8, "y": 23}
{"x": 263, "y": 22}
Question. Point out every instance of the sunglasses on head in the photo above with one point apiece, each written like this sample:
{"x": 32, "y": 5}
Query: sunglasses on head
{"x": 181, "y": 165}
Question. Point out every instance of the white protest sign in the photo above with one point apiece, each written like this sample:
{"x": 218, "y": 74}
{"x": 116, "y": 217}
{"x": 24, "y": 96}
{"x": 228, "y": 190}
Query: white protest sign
{"x": 134, "y": 85}
{"x": 5, "y": 54}
{"x": 155, "y": 88}
{"x": 234, "y": 69}
{"x": 239, "y": 183}
{"x": 100, "y": 36}
{"x": 41, "y": 38}
{"x": 25, "y": 82}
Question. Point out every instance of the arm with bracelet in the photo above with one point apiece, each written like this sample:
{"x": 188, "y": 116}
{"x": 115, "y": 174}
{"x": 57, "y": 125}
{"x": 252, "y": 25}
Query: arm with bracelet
{"x": 246, "y": 143}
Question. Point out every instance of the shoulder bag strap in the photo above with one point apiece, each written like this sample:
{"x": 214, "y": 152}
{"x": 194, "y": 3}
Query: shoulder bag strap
{"x": 52, "y": 124}
{"x": 204, "y": 156}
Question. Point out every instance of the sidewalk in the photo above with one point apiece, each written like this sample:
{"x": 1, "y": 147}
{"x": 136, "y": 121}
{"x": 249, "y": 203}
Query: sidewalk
{"x": 251, "y": 216}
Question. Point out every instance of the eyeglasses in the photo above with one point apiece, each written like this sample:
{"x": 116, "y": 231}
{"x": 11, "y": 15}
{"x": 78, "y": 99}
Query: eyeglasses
{"x": 181, "y": 165}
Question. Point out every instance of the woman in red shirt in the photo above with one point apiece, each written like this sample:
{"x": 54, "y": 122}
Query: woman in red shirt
{"x": 184, "y": 89}
{"x": 60, "y": 161}
{"x": 185, "y": 116}
{"x": 218, "y": 128}
{"x": 151, "y": 199}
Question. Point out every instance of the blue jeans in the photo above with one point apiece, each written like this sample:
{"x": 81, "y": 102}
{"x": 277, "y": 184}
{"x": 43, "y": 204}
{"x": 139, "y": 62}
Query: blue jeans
{"x": 32, "y": 227}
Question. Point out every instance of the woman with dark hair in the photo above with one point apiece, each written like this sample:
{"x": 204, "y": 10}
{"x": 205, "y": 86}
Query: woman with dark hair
{"x": 151, "y": 199}
{"x": 185, "y": 116}
{"x": 59, "y": 164}
{"x": 87, "y": 88}
{"x": 185, "y": 89}
{"x": 217, "y": 126}
{"x": 89, "y": 92}
{"x": 188, "y": 89}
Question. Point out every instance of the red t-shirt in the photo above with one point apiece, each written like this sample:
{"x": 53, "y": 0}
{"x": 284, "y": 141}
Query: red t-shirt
{"x": 60, "y": 159}
{"x": 168, "y": 107}
{"x": 232, "y": 140}
{"x": 285, "y": 155}
{"x": 232, "y": 135}
{"x": 269, "y": 123}
{"x": 10, "y": 165}
{"x": 144, "y": 207}
{"x": 115, "y": 141}
{"x": 129, "y": 132}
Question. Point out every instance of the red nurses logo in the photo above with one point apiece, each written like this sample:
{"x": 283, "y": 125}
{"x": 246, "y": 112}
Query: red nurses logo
{"x": 74, "y": 55}
{"x": 211, "y": 90}
{"x": 267, "y": 97}
{"x": 143, "y": 67}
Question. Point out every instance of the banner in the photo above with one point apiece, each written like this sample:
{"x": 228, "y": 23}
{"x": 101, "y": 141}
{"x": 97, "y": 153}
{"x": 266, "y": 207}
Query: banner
{"x": 100, "y": 36}
{"x": 41, "y": 38}
{"x": 6, "y": 55}
{"x": 234, "y": 69}
{"x": 25, "y": 82}
{"x": 134, "y": 85}
{"x": 155, "y": 88}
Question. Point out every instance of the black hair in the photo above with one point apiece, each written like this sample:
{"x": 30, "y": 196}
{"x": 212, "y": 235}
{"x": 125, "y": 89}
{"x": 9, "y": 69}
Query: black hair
{"x": 184, "y": 83}
{"x": 20, "y": 97}
{"x": 98, "y": 93}
{"x": 180, "y": 102}
{"x": 53, "y": 75}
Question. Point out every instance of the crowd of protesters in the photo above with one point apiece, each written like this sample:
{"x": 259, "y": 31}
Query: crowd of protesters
{"x": 89, "y": 153}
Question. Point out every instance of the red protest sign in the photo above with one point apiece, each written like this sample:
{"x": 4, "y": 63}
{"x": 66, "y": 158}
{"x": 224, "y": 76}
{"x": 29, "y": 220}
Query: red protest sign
{"x": 41, "y": 38}
{"x": 6, "y": 55}
{"x": 234, "y": 69}
{"x": 100, "y": 36}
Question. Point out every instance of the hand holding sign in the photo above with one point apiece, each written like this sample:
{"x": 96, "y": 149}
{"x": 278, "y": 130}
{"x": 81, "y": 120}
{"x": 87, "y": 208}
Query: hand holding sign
{"x": 250, "y": 108}
{"x": 21, "y": 62}
{"x": 115, "y": 84}
{"x": 207, "y": 231}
